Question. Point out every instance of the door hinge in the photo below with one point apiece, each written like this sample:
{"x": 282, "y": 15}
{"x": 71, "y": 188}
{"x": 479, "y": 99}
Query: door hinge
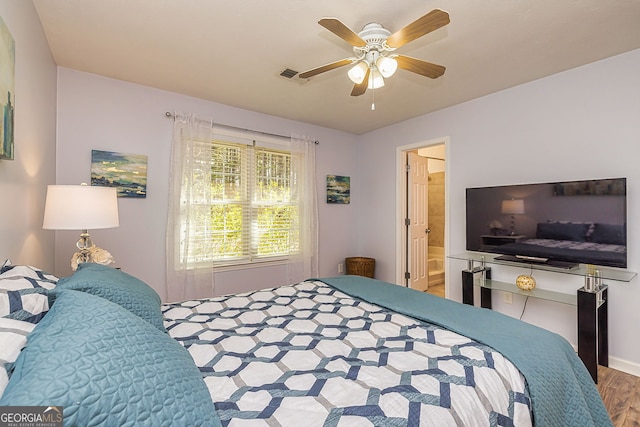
{"x": 407, "y": 221}
{"x": 407, "y": 275}
{"x": 407, "y": 168}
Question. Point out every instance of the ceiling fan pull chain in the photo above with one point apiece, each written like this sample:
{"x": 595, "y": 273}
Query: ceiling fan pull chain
{"x": 373, "y": 99}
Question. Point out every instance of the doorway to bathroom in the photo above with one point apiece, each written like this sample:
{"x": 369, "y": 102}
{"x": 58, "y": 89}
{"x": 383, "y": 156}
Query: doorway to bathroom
{"x": 422, "y": 171}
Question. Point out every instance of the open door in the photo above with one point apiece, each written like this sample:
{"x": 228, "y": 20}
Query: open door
{"x": 421, "y": 232}
{"x": 418, "y": 220}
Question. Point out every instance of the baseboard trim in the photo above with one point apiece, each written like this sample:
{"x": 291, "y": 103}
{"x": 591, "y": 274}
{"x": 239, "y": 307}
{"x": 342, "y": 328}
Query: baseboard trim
{"x": 624, "y": 366}
{"x": 620, "y": 364}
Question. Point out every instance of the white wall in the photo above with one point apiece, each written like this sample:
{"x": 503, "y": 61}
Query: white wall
{"x": 100, "y": 113}
{"x": 23, "y": 181}
{"x": 580, "y": 124}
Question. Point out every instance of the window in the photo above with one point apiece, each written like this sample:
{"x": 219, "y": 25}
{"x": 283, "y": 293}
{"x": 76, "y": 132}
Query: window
{"x": 251, "y": 211}
{"x": 238, "y": 198}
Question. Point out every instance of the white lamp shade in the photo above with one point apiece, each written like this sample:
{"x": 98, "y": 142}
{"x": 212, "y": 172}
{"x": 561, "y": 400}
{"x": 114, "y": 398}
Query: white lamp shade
{"x": 513, "y": 207}
{"x": 387, "y": 66}
{"x": 80, "y": 207}
{"x": 375, "y": 79}
{"x": 357, "y": 72}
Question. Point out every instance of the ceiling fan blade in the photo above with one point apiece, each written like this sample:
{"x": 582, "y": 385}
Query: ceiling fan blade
{"x": 430, "y": 22}
{"x": 419, "y": 66}
{"x": 362, "y": 87}
{"x": 324, "y": 68}
{"x": 342, "y": 31}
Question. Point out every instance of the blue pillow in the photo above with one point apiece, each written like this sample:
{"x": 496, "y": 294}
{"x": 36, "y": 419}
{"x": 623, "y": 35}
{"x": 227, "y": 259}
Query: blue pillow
{"x": 576, "y": 232}
{"x": 610, "y": 234}
{"x": 106, "y": 366}
{"x": 118, "y": 287}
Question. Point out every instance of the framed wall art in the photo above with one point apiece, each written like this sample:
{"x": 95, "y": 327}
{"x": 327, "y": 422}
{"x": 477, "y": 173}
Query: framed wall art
{"x": 126, "y": 172}
{"x": 338, "y": 189}
{"x": 600, "y": 187}
{"x": 7, "y": 91}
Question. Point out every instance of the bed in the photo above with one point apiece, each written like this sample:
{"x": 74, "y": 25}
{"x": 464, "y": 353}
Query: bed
{"x": 591, "y": 243}
{"x": 343, "y": 351}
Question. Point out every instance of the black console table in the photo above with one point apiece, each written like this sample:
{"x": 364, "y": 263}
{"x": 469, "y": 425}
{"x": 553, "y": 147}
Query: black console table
{"x": 592, "y": 307}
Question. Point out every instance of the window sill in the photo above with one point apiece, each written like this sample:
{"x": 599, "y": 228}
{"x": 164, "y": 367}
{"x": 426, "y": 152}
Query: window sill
{"x": 249, "y": 265}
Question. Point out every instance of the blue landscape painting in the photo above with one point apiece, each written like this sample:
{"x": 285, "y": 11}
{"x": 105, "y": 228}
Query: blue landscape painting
{"x": 7, "y": 91}
{"x": 338, "y": 189}
{"x": 126, "y": 172}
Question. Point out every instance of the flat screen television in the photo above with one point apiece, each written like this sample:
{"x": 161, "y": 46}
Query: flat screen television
{"x": 561, "y": 224}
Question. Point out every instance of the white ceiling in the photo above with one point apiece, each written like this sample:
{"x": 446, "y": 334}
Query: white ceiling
{"x": 232, "y": 52}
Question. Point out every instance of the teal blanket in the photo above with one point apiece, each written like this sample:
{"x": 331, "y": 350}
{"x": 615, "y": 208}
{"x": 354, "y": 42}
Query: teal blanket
{"x": 561, "y": 389}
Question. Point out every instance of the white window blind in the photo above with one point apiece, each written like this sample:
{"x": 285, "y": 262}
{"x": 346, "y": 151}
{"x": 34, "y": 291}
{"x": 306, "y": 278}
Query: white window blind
{"x": 251, "y": 210}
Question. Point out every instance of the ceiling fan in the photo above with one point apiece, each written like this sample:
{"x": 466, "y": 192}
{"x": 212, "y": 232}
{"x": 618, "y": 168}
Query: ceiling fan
{"x": 373, "y": 48}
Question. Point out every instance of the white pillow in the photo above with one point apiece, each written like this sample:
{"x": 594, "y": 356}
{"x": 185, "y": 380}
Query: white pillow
{"x": 13, "y": 337}
{"x": 25, "y": 276}
{"x": 23, "y": 292}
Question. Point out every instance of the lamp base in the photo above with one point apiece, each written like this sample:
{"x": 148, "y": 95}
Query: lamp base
{"x": 513, "y": 226}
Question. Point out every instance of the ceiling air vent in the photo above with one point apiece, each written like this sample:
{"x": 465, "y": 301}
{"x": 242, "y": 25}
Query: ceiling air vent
{"x": 288, "y": 73}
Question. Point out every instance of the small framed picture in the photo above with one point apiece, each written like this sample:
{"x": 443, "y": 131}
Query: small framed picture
{"x": 126, "y": 172}
{"x": 338, "y": 189}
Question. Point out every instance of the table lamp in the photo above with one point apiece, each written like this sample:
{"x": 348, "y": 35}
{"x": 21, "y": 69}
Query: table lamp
{"x": 513, "y": 207}
{"x": 82, "y": 207}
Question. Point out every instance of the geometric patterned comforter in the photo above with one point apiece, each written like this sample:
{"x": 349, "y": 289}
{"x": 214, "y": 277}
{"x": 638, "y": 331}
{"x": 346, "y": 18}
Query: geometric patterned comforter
{"x": 310, "y": 355}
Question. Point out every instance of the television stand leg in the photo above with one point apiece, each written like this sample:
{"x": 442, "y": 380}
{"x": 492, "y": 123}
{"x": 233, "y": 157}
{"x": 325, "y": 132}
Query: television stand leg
{"x": 467, "y": 288}
{"x": 593, "y": 337}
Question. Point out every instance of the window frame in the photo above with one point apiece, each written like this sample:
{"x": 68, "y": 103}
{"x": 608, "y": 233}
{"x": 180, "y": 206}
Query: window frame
{"x": 249, "y": 146}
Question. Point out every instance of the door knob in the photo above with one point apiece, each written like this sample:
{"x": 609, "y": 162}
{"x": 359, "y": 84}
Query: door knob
{"x": 428, "y": 230}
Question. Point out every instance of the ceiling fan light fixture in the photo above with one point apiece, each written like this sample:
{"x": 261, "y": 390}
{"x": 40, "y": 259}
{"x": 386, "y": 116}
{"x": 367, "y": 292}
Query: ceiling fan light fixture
{"x": 375, "y": 79}
{"x": 358, "y": 72}
{"x": 373, "y": 60}
{"x": 387, "y": 66}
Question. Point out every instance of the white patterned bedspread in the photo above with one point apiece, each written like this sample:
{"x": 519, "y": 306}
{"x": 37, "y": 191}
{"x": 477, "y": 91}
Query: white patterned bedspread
{"x": 310, "y": 355}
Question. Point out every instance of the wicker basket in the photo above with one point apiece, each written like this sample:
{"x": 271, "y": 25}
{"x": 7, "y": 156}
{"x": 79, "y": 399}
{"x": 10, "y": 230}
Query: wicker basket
{"x": 361, "y": 266}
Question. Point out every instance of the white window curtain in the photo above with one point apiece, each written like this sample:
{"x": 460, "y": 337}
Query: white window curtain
{"x": 304, "y": 264}
{"x": 190, "y": 268}
{"x": 189, "y": 196}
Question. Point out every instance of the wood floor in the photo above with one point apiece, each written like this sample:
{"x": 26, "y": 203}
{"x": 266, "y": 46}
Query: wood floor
{"x": 437, "y": 290}
{"x": 620, "y": 391}
{"x": 621, "y": 395}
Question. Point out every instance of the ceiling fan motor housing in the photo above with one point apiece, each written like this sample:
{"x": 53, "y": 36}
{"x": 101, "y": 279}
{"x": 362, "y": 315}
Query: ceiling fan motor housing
{"x": 375, "y": 35}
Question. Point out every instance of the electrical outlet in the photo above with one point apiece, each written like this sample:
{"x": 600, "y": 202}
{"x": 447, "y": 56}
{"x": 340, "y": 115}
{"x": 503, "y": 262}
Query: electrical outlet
{"x": 340, "y": 268}
{"x": 507, "y": 297}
